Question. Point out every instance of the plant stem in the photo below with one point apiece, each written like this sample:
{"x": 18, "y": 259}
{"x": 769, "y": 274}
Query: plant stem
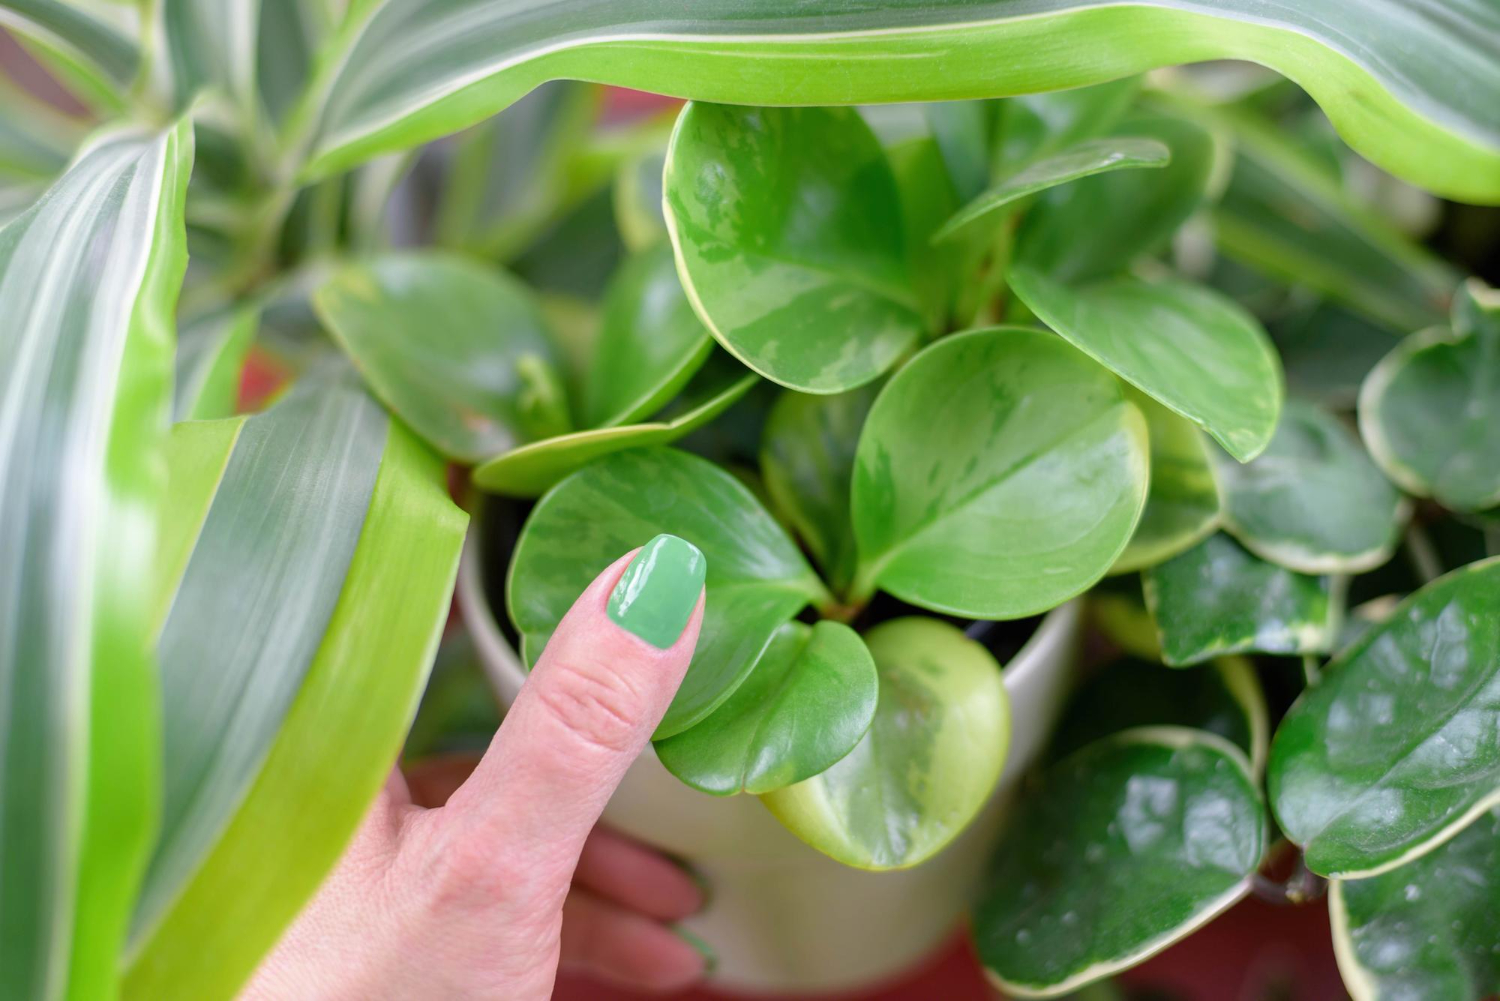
{"x": 1311, "y": 674}
{"x": 1422, "y": 553}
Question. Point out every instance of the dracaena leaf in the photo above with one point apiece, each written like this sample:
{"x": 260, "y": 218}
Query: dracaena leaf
{"x": 1407, "y": 85}
{"x": 211, "y": 354}
{"x": 91, "y": 47}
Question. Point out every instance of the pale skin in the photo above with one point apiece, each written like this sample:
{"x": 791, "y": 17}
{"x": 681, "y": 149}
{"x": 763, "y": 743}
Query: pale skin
{"x": 479, "y": 880}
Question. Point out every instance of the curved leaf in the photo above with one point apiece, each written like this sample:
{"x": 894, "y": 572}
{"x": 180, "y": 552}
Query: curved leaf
{"x": 1183, "y": 505}
{"x": 1430, "y": 410}
{"x": 808, "y": 701}
{"x": 637, "y": 200}
{"x": 93, "y": 49}
{"x": 458, "y": 350}
{"x": 88, "y": 281}
{"x": 757, "y": 580}
{"x": 263, "y": 719}
{"x": 999, "y": 473}
{"x": 1036, "y": 125}
{"x": 1395, "y": 751}
{"x": 927, "y": 199}
{"x": 1129, "y": 845}
{"x": 787, "y": 227}
{"x": 1218, "y": 599}
{"x": 650, "y": 342}
{"x": 529, "y": 471}
{"x": 928, "y": 763}
{"x": 1313, "y": 501}
{"x": 1406, "y": 85}
{"x": 1186, "y": 346}
{"x": 210, "y": 44}
{"x": 1427, "y": 929}
{"x": 210, "y": 359}
{"x": 1090, "y": 157}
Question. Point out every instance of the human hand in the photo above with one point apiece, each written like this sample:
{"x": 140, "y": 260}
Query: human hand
{"x": 484, "y": 895}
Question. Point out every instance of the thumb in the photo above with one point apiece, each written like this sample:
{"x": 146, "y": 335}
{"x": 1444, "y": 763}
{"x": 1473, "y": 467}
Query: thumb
{"x": 590, "y": 705}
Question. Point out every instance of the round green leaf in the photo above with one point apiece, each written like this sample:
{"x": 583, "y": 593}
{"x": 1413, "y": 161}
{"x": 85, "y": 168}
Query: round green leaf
{"x": 928, "y": 763}
{"x": 1184, "y": 345}
{"x": 806, "y": 461}
{"x": 530, "y": 470}
{"x": 1096, "y": 226}
{"x": 809, "y": 700}
{"x": 1093, "y": 156}
{"x": 457, "y": 349}
{"x": 757, "y": 580}
{"x": 1216, "y": 599}
{"x": 999, "y": 473}
{"x": 788, "y": 232}
{"x": 1428, "y": 929}
{"x": 1183, "y": 506}
{"x": 1313, "y": 501}
{"x": 1395, "y": 751}
{"x": 1430, "y": 410}
{"x": 650, "y": 342}
{"x": 1128, "y": 846}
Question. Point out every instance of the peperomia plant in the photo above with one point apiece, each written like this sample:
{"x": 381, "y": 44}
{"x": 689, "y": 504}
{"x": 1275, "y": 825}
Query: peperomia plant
{"x": 910, "y": 375}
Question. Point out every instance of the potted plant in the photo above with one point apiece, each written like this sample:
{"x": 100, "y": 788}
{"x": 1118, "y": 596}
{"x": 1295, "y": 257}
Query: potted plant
{"x": 925, "y": 382}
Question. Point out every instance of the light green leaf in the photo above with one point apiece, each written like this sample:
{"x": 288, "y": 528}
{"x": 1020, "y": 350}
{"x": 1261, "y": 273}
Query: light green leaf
{"x": 92, "y": 47}
{"x": 1000, "y": 472}
{"x": 458, "y": 350}
{"x": 637, "y": 200}
{"x": 1406, "y": 86}
{"x": 928, "y": 763}
{"x": 1394, "y": 752}
{"x": 788, "y": 232}
{"x": 1428, "y": 929}
{"x": 963, "y": 131}
{"x": 1093, "y": 156}
{"x": 1032, "y": 126}
{"x": 1096, "y": 227}
{"x": 757, "y": 580}
{"x": 650, "y": 342}
{"x": 211, "y": 354}
{"x": 1313, "y": 501}
{"x": 927, "y": 199}
{"x": 806, "y": 704}
{"x": 1182, "y": 344}
{"x": 806, "y": 461}
{"x": 1218, "y": 599}
{"x": 295, "y": 653}
{"x": 36, "y": 140}
{"x": 88, "y": 282}
{"x": 1128, "y": 845}
{"x": 532, "y": 469}
{"x": 1430, "y": 410}
{"x": 1183, "y": 506}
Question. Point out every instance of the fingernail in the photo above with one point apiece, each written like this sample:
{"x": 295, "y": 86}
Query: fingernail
{"x": 710, "y": 958}
{"x": 659, "y": 590}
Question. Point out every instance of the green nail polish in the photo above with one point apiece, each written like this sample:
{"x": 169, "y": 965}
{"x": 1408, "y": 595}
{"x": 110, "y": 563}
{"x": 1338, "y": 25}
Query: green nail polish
{"x": 658, "y": 591}
{"x": 710, "y": 958}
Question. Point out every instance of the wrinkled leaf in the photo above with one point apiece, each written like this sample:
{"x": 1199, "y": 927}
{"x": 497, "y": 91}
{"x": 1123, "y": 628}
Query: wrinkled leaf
{"x": 1183, "y": 505}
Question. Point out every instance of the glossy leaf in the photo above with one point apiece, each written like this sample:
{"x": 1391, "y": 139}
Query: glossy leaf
{"x": 88, "y": 282}
{"x": 1395, "y": 751}
{"x": 1428, "y": 929}
{"x": 529, "y": 471}
{"x": 787, "y": 227}
{"x": 1125, "y": 214}
{"x": 1184, "y": 345}
{"x": 1313, "y": 501}
{"x": 1406, "y": 87}
{"x": 1217, "y": 599}
{"x": 650, "y": 342}
{"x": 210, "y": 359}
{"x": 1000, "y": 472}
{"x": 459, "y": 351}
{"x": 1093, "y": 156}
{"x": 1128, "y": 846}
{"x": 808, "y": 701}
{"x": 333, "y": 522}
{"x": 757, "y": 580}
{"x": 926, "y": 766}
{"x": 1430, "y": 410}
{"x": 1183, "y": 505}
{"x": 1224, "y": 698}
{"x": 806, "y": 461}
{"x": 1032, "y": 126}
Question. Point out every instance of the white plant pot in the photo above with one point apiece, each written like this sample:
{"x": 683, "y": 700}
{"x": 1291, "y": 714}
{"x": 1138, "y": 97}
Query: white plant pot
{"x": 783, "y": 917}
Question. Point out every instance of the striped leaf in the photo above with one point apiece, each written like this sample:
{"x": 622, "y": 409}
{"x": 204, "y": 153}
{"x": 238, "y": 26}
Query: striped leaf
{"x": 1407, "y": 83}
{"x": 209, "y": 44}
{"x": 91, "y": 48}
{"x": 88, "y": 279}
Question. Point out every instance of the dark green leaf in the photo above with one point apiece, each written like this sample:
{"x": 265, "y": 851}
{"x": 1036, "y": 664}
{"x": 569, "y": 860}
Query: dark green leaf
{"x": 808, "y": 701}
{"x": 1394, "y": 752}
{"x": 788, "y": 231}
{"x": 1183, "y": 506}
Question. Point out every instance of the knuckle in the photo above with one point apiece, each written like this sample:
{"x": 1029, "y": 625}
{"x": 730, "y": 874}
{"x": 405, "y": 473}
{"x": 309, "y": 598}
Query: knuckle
{"x": 597, "y": 704}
